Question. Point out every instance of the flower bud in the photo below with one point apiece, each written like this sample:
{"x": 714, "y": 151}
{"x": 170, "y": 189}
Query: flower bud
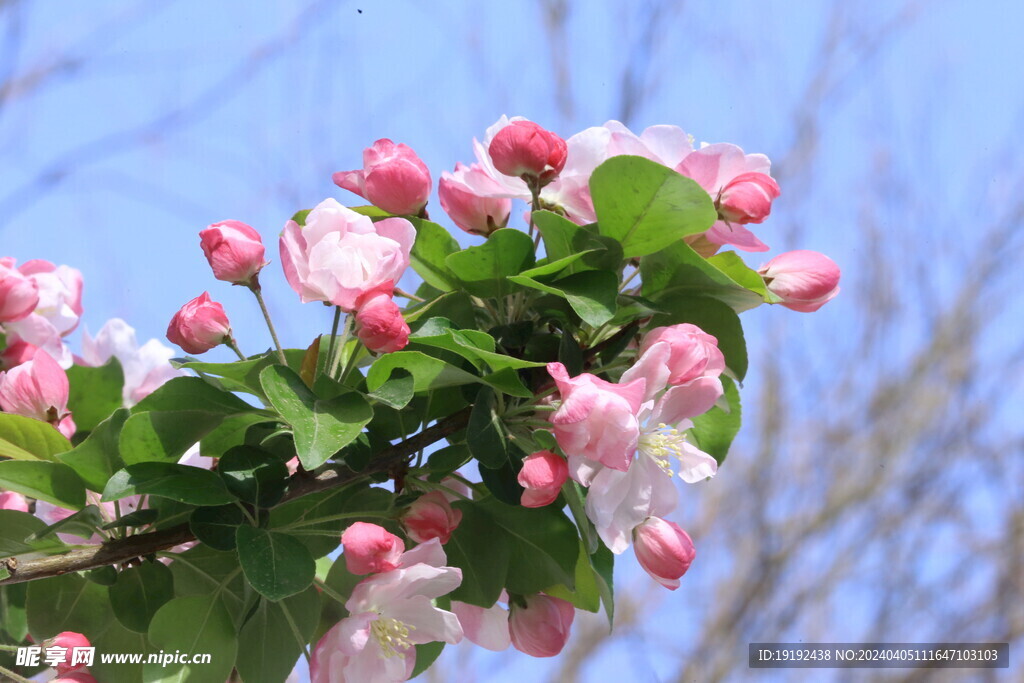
{"x": 200, "y": 325}
{"x": 804, "y": 280}
{"x": 234, "y": 250}
{"x": 692, "y": 352}
{"x": 522, "y": 148}
{"x": 664, "y": 550}
{"x": 393, "y": 178}
{"x": 475, "y": 213}
{"x": 431, "y": 516}
{"x": 370, "y": 549}
{"x": 380, "y": 325}
{"x": 747, "y": 198}
{"x": 37, "y": 388}
{"x": 75, "y": 677}
{"x": 68, "y": 640}
{"x": 541, "y": 628}
{"x": 19, "y": 295}
{"x": 9, "y": 500}
{"x": 542, "y": 477}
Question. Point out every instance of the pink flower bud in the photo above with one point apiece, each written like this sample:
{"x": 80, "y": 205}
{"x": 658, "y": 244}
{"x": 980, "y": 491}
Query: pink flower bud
{"x": 17, "y": 353}
{"x": 475, "y": 213}
{"x": 804, "y": 280}
{"x": 19, "y": 295}
{"x": 540, "y": 629}
{"x": 392, "y": 178}
{"x": 691, "y": 353}
{"x": 200, "y": 325}
{"x": 68, "y": 640}
{"x": 747, "y": 198}
{"x": 542, "y": 477}
{"x": 234, "y": 250}
{"x": 9, "y": 500}
{"x": 664, "y": 550}
{"x": 37, "y": 388}
{"x": 75, "y": 677}
{"x": 370, "y": 549}
{"x": 380, "y": 325}
{"x": 522, "y": 148}
{"x": 431, "y": 516}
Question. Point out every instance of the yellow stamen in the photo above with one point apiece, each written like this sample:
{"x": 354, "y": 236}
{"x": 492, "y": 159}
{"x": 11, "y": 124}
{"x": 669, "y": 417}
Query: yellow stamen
{"x": 392, "y": 635}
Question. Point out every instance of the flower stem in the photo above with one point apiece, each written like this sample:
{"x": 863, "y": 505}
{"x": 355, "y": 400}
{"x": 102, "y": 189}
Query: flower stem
{"x": 233, "y": 345}
{"x": 255, "y": 288}
{"x": 13, "y": 676}
{"x": 329, "y": 362}
{"x": 331, "y": 592}
{"x": 336, "y": 359}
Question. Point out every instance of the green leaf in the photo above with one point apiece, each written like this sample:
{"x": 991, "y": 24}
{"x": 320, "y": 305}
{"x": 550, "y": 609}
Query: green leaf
{"x": 53, "y": 482}
{"x": 483, "y": 269}
{"x": 476, "y": 346}
{"x": 586, "y": 595}
{"x": 563, "y": 239}
{"x": 244, "y": 375}
{"x": 397, "y": 391}
{"x": 446, "y": 460}
{"x": 23, "y": 438}
{"x": 139, "y": 592}
{"x": 433, "y": 245}
{"x": 133, "y": 519}
{"x": 592, "y": 293}
{"x": 502, "y": 482}
{"x": 192, "y": 393}
{"x": 229, "y": 433}
{"x": 268, "y": 646}
{"x": 95, "y": 393}
{"x": 275, "y": 564}
{"x": 715, "y": 429}
{"x": 647, "y": 206}
{"x": 715, "y": 318}
{"x": 16, "y": 527}
{"x": 215, "y": 526}
{"x": 321, "y": 427}
{"x": 191, "y": 485}
{"x": 455, "y": 306}
{"x": 211, "y": 574}
{"x": 427, "y": 372}
{"x": 163, "y": 436}
{"x": 97, "y": 458}
{"x": 193, "y": 624}
{"x": 485, "y": 434}
{"x": 677, "y": 271}
{"x": 83, "y": 524}
{"x": 326, "y": 514}
{"x": 426, "y": 654}
{"x": 66, "y": 603}
{"x": 482, "y": 551}
{"x": 254, "y": 475}
{"x": 604, "y": 564}
{"x": 13, "y": 615}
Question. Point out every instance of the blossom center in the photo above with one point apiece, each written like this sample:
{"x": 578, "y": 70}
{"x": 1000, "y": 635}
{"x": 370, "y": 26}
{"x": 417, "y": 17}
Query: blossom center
{"x": 392, "y": 635}
{"x": 661, "y": 444}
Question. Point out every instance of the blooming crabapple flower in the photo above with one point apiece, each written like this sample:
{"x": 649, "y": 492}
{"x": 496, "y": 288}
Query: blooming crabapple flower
{"x": 234, "y": 250}
{"x": 542, "y": 477}
{"x": 541, "y": 628}
{"x": 664, "y": 550}
{"x": 484, "y": 626}
{"x": 9, "y": 500}
{"x": 340, "y": 256}
{"x": 19, "y": 295}
{"x": 370, "y": 548}
{"x": 392, "y": 178}
{"x": 37, "y": 388}
{"x": 380, "y": 325}
{"x": 523, "y": 149}
{"x": 57, "y": 313}
{"x": 804, "y": 280}
{"x": 475, "y": 213}
{"x": 391, "y": 613}
{"x": 200, "y": 325}
{"x": 741, "y": 188}
{"x": 67, "y": 640}
{"x": 596, "y": 419}
{"x": 145, "y": 368}
{"x": 675, "y": 355}
{"x": 431, "y": 516}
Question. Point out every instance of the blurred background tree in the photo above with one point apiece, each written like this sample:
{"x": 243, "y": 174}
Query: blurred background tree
{"x": 876, "y": 491}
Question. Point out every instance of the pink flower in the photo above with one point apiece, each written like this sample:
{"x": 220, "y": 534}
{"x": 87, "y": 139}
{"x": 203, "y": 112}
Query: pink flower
{"x": 200, "y": 325}
{"x": 484, "y": 626}
{"x": 392, "y": 178}
{"x": 340, "y": 256}
{"x": 597, "y": 419}
{"x": 804, "y": 280}
{"x": 57, "y": 313}
{"x": 370, "y": 548}
{"x": 664, "y": 550}
{"x": 541, "y": 628}
{"x": 380, "y": 325}
{"x": 475, "y": 213}
{"x": 9, "y": 500}
{"x": 145, "y": 367}
{"x": 68, "y": 640}
{"x": 37, "y": 388}
{"x": 431, "y": 516}
{"x": 19, "y": 295}
{"x": 390, "y": 613}
{"x": 75, "y": 677}
{"x": 542, "y": 477}
{"x": 524, "y": 149}
{"x": 675, "y": 355}
{"x": 234, "y": 250}
{"x": 16, "y": 353}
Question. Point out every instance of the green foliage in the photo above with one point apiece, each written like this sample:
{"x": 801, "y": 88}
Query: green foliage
{"x": 139, "y": 592}
{"x": 50, "y": 481}
{"x": 193, "y": 624}
{"x": 483, "y": 269}
{"x": 94, "y": 393}
{"x": 23, "y": 438}
{"x": 275, "y": 564}
{"x": 253, "y": 475}
{"x": 192, "y": 485}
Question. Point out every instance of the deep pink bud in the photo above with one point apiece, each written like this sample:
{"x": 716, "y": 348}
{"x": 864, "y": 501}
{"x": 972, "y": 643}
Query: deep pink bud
{"x": 476, "y": 214}
{"x": 747, "y": 198}
{"x": 804, "y": 280}
{"x": 9, "y": 500}
{"x": 234, "y": 250}
{"x": 431, "y": 516}
{"x": 37, "y": 388}
{"x": 522, "y": 148}
{"x": 692, "y": 352}
{"x": 664, "y": 550}
{"x": 200, "y": 325}
{"x": 19, "y": 294}
{"x": 68, "y": 640}
{"x": 393, "y": 178}
{"x": 380, "y": 325}
{"x": 542, "y": 477}
{"x": 75, "y": 677}
{"x": 542, "y": 627}
{"x": 370, "y": 549}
